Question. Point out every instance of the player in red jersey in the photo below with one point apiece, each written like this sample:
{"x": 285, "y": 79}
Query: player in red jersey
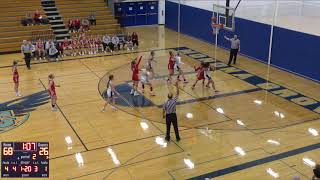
{"x": 15, "y": 78}
{"x": 52, "y": 92}
{"x": 171, "y": 65}
{"x": 200, "y": 74}
{"x": 135, "y": 76}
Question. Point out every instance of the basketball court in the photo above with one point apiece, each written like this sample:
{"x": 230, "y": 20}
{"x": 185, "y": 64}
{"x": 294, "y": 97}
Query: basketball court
{"x": 263, "y": 123}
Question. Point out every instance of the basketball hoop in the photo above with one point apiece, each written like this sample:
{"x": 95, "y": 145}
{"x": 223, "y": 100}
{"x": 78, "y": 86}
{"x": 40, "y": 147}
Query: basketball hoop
{"x": 216, "y": 26}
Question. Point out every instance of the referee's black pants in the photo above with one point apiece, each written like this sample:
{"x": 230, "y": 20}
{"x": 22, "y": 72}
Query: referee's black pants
{"x": 233, "y": 56}
{"x": 27, "y": 59}
{"x": 172, "y": 118}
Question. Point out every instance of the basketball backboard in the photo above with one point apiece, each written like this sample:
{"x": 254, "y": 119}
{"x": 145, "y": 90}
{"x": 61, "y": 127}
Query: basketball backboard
{"x": 224, "y": 15}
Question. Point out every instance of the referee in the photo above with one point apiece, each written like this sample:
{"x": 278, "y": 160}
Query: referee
{"x": 169, "y": 112}
{"x": 235, "y": 48}
{"x": 26, "y": 49}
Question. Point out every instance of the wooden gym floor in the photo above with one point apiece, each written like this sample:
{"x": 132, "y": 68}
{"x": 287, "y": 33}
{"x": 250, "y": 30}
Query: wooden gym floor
{"x": 262, "y": 120}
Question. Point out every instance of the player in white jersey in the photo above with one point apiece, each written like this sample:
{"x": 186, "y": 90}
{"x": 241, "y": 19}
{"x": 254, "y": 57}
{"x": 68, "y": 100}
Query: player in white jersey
{"x": 150, "y": 62}
{"x": 145, "y": 80}
{"x": 110, "y": 94}
{"x": 207, "y": 75}
{"x": 177, "y": 67}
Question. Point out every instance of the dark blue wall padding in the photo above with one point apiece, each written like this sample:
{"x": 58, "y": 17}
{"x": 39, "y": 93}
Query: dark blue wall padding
{"x": 196, "y": 23}
{"x": 297, "y": 52}
{"x": 255, "y": 38}
{"x": 171, "y": 15}
{"x": 293, "y": 51}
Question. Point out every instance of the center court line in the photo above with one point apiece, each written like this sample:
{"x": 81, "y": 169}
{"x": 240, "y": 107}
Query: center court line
{"x": 257, "y": 162}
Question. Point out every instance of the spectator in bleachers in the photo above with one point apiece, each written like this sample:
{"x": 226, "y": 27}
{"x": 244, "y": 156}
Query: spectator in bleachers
{"x": 316, "y": 172}
{"x": 135, "y": 39}
{"x": 129, "y": 42}
{"x": 27, "y": 21}
{"x": 106, "y": 41}
{"x": 66, "y": 46}
{"x": 48, "y": 44}
{"x": 33, "y": 50}
{"x": 53, "y": 53}
{"x": 122, "y": 40}
{"x": 60, "y": 49}
{"x": 37, "y": 17}
{"x": 77, "y": 24}
{"x": 115, "y": 42}
{"x": 92, "y": 18}
{"x": 85, "y": 25}
{"x": 71, "y": 25}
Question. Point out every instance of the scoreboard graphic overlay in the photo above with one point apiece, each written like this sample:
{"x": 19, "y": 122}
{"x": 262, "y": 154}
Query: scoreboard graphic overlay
{"x": 25, "y": 159}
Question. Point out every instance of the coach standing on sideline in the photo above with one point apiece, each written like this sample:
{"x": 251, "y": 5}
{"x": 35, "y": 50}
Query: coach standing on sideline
{"x": 169, "y": 112}
{"x": 235, "y": 48}
{"x": 26, "y": 49}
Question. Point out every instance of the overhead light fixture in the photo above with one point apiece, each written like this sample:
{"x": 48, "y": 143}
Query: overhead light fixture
{"x": 279, "y": 114}
{"x": 161, "y": 141}
{"x": 313, "y": 132}
{"x": 309, "y": 162}
{"x": 257, "y": 102}
{"x": 144, "y": 125}
{"x": 79, "y": 159}
{"x": 68, "y": 140}
{"x": 240, "y": 151}
{"x": 270, "y": 141}
{"x": 272, "y": 173}
{"x": 113, "y": 156}
{"x": 189, "y": 115}
{"x": 220, "y": 110}
{"x": 239, "y": 122}
{"x": 188, "y": 163}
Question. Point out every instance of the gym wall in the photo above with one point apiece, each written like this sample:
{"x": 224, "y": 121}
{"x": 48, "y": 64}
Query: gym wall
{"x": 292, "y": 50}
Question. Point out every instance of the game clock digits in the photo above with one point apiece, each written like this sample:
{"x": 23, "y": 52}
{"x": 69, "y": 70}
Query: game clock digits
{"x": 24, "y": 159}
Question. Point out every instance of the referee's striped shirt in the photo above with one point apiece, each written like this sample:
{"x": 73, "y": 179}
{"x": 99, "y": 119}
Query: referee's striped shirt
{"x": 170, "y": 105}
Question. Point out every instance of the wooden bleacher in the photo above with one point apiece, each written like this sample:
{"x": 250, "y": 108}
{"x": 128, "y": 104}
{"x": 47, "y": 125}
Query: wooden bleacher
{"x": 12, "y": 33}
{"x": 106, "y": 23}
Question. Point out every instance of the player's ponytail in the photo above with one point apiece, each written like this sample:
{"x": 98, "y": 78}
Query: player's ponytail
{"x": 110, "y": 78}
